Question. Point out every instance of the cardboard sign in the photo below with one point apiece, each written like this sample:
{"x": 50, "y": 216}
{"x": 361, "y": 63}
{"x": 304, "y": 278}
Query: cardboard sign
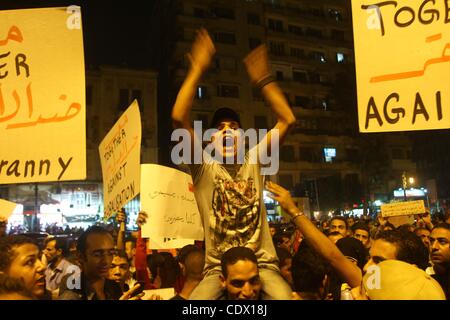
{"x": 165, "y": 293}
{"x": 403, "y": 208}
{"x": 42, "y": 96}
{"x": 402, "y": 52}
{"x": 120, "y": 153}
{"x": 167, "y": 195}
{"x": 6, "y": 209}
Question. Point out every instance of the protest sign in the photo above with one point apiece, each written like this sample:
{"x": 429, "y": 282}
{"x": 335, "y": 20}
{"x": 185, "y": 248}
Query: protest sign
{"x": 120, "y": 153}
{"x": 165, "y": 293}
{"x": 167, "y": 195}
{"x": 6, "y": 209}
{"x": 402, "y": 57}
{"x": 42, "y": 96}
{"x": 403, "y": 208}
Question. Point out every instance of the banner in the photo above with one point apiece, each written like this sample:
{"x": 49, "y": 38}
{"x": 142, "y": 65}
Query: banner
{"x": 6, "y": 209}
{"x": 42, "y": 96}
{"x": 167, "y": 195}
{"x": 402, "y": 56}
{"x": 403, "y": 208}
{"x": 120, "y": 153}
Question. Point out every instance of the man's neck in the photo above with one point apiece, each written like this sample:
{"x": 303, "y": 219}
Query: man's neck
{"x": 53, "y": 264}
{"x": 188, "y": 287}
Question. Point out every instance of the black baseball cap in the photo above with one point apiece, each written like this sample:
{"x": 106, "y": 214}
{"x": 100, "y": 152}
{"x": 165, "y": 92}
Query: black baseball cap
{"x": 224, "y": 113}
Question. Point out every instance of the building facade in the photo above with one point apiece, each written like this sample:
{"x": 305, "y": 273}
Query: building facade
{"x": 311, "y": 51}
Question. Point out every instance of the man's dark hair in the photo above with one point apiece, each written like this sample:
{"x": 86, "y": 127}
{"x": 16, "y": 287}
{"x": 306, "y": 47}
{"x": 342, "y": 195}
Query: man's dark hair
{"x": 164, "y": 265}
{"x": 60, "y": 244}
{"x": 7, "y": 246}
{"x": 361, "y": 226}
{"x": 82, "y": 240}
{"x": 185, "y": 251}
{"x": 353, "y": 248}
{"x": 340, "y": 218}
{"x": 194, "y": 263}
{"x": 10, "y": 285}
{"x": 410, "y": 247}
{"x": 233, "y": 255}
{"x": 308, "y": 269}
{"x": 222, "y": 114}
{"x": 442, "y": 225}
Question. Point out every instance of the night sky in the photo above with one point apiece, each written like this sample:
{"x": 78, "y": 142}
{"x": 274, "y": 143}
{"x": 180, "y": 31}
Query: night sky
{"x": 114, "y": 34}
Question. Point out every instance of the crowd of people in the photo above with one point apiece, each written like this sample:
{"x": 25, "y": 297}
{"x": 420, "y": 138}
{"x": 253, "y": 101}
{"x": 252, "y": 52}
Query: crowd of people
{"x": 414, "y": 262}
{"x": 242, "y": 256}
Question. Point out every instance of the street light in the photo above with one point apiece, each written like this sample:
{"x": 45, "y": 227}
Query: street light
{"x": 405, "y": 181}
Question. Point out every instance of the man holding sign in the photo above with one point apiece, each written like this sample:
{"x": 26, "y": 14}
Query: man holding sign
{"x": 229, "y": 192}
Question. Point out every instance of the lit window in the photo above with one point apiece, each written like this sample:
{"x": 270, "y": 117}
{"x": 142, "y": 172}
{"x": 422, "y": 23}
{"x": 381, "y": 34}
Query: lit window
{"x": 329, "y": 154}
{"x": 340, "y": 57}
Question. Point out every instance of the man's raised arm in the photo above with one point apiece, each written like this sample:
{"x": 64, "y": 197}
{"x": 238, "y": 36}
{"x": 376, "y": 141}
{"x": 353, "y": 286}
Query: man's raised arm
{"x": 348, "y": 271}
{"x": 200, "y": 57}
{"x": 257, "y": 66}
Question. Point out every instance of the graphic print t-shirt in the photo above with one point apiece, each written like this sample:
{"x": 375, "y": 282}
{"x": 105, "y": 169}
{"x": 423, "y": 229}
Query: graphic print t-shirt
{"x": 230, "y": 202}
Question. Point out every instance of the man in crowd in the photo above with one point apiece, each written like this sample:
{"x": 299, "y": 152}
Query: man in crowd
{"x": 240, "y": 277}
{"x": 424, "y": 235}
{"x": 58, "y": 267}
{"x": 339, "y": 224}
{"x": 228, "y": 189}
{"x": 440, "y": 255}
{"x": 96, "y": 249}
{"x": 362, "y": 233}
{"x": 191, "y": 268}
{"x": 20, "y": 260}
{"x": 120, "y": 271}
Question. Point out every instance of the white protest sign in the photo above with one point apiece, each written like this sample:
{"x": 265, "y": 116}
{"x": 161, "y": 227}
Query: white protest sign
{"x": 42, "y": 96}
{"x": 157, "y": 243}
{"x": 167, "y": 195}
{"x": 403, "y": 208}
{"x": 120, "y": 153}
{"x": 165, "y": 293}
{"x": 6, "y": 209}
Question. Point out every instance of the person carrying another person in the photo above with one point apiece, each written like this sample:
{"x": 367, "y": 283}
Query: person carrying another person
{"x": 229, "y": 191}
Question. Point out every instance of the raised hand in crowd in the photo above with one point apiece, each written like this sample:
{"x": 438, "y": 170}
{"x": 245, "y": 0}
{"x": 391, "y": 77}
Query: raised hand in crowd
{"x": 202, "y": 51}
{"x": 257, "y": 64}
{"x": 129, "y": 294}
{"x": 348, "y": 271}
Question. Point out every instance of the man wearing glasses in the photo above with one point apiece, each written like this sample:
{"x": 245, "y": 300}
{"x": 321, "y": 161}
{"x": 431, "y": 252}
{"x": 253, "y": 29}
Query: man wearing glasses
{"x": 96, "y": 250}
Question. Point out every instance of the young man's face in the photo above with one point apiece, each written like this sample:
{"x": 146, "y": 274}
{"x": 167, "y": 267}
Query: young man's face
{"x": 98, "y": 256}
{"x": 50, "y": 251}
{"x": 424, "y": 235}
{"x": 440, "y": 246}
{"x": 363, "y": 236}
{"x": 242, "y": 282}
{"x": 381, "y": 250}
{"x": 27, "y": 266}
{"x": 228, "y": 139}
{"x": 120, "y": 269}
{"x": 339, "y": 226}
